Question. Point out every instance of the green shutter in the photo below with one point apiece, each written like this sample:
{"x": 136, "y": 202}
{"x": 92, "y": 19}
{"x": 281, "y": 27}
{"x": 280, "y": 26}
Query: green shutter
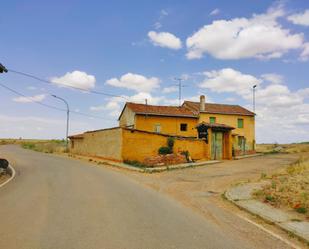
{"x": 212, "y": 120}
{"x": 240, "y": 123}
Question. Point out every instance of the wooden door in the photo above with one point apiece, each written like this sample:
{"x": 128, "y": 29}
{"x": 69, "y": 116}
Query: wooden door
{"x": 216, "y": 145}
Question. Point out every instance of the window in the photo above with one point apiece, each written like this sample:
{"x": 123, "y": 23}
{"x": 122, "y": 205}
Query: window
{"x": 240, "y": 123}
{"x": 183, "y": 127}
{"x": 212, "y": 120}
{"x": 157, "y": 128}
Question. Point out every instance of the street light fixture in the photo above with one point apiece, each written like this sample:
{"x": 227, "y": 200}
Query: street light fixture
{"x": 68, "y": 113}
{"x": 3, "y": 69}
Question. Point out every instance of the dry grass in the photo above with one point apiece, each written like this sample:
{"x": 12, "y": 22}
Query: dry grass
{"x": 46, "y": 146}
{"x": 284, "y": 148}
{"x": 49, "y": 146}
{"x": 289, "y": 189}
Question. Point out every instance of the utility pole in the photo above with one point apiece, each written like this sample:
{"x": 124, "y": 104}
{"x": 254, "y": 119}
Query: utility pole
{"x": 179, "y": 80}
{"x": 68, "y": 113}
{"x": 253, "y": 99}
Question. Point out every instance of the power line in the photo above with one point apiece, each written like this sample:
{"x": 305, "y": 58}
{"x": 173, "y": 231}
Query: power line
{"x": 66, "y": 85}
{"x": 50, "y": 106}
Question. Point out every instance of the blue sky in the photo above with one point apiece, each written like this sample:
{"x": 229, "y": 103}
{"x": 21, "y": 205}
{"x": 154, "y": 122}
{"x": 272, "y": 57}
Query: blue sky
{"x": 135, "y": 48}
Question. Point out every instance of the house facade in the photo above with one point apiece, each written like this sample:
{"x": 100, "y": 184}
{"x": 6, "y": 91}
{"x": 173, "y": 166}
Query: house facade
{"x": 205, "y": 130}
{"x": 224, "y": 124}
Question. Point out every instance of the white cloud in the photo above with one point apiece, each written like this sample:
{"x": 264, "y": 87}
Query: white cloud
{"x": 260, "y": 36}
{"x": 76, "y": 79}
{"x": 36, "y": 98}
{"x": 300, "y": 18}
{"x": 115, "y": 104}
{"x": 229, "y": 80}
{"x": 157, "y": 25}
{"x": 170, "y": 89}
{"x": 135, "y": 82}
{"x": 304, "y": 56}
{"x": 164, "y": 39}
{"x": 12, "y": 126}
{"x": 214, "y": 12}
{"x": 273, "y": 78}
{"x": 277, "y": 95}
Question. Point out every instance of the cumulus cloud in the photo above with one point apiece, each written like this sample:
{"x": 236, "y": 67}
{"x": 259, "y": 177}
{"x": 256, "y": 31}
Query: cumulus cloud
{"x": 280, "y": 111}
{"x": 214, "y": 12}
{"x": 273, "y": 78}
{"x": 35, "y": 98}
{"x": 76, "y": 79}
{"x": 300, "y": 18}
{"x": 304, "y": 56}
{"x": 40, "y": 127}
{"x": 170, "y": 89}
{"x": 135, "y": 82}
{"x": 114, "y": 105}
{"x": 260, "y": 36}
{"x": 164, "y": 39}
{"x": 229, "y": 80}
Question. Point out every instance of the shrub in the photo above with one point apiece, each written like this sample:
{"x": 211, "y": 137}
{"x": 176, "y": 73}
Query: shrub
{"x": 170, "y": 143}
{"x": 164, "y": 150}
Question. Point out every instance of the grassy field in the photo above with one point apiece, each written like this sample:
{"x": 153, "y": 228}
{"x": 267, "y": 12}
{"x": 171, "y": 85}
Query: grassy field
{"x": 289, "y": 189}
{"x": 283, "y": 148}
{"x": 46, "y": 146}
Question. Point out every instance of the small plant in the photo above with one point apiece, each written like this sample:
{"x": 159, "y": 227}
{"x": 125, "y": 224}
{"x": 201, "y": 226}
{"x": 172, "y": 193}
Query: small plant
{"x": 301, "y": 210}
{"x": 135, "y": 163}
{"x": 164, "y": 150}
{"x": 269, "y": 198}
{"x": 187, "y": 155}
{"x": 263, "y": 175}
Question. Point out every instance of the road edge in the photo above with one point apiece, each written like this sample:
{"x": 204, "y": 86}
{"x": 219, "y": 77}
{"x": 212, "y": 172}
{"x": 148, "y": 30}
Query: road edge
{"x": 12, "y": 173}
{"x": 237, "y": 202}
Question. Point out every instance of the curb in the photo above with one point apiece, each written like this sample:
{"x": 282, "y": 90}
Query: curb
{"x": 248, "y": 156}
{"x": 12, "y": 173}
{"x": 241, "y": 197}
{"x": 160, "y": 169}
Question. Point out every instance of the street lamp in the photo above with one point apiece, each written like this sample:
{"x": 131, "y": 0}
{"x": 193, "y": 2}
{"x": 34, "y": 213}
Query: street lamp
{"x": 68, "y": 112}
{"x": 3, "y": 69}
{"x": 253, "y": 92}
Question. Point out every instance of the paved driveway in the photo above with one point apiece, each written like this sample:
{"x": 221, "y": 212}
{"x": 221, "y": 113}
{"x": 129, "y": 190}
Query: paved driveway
{"x": 56, "y": 202}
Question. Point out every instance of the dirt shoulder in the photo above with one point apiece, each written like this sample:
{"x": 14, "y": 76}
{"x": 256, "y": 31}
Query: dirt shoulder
{"x": 201, "y": 188}
{"x": 4, "y": 177}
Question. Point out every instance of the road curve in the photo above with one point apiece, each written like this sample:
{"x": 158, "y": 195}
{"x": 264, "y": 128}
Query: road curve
{"x": 56, "y": 203}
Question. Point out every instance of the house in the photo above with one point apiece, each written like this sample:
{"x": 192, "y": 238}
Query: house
{"x": 205, "y": 130}
{"x": 220, "y": 121}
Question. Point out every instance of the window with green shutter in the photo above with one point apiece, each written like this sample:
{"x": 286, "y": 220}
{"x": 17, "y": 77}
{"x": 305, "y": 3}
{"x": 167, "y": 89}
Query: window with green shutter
{"x": 240, "y": 123}
{"x": 212, "y": 120}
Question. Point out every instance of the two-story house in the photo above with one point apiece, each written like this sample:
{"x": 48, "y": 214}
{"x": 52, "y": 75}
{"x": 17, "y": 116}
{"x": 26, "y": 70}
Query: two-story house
{"x": 223, "y": 124}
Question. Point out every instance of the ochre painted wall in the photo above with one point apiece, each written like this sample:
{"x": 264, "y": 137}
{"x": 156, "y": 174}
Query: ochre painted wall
{"x": 169, "y": 125}
{"x": 127, "y": 144}
{"x": 137, "y": 145}
{"x": 248, "y": 131}
{"x": 104, "y": 143}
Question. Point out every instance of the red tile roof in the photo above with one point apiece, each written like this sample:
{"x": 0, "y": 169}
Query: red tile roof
{"x": 218, "y": 108}
{"x": 215, "y": 125}
{"x": 160, "y": 110}
{"x": 188, "y": 109}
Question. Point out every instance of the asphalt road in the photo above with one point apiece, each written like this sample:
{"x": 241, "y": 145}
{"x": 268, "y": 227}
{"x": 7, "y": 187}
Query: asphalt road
{"x": 56, "y": 202}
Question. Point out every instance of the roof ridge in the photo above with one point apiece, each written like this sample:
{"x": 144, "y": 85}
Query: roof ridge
{"x": 196, "y": 102}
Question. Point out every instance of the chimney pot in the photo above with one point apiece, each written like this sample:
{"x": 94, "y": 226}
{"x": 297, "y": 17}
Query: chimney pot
{"x": 202, "y": 103}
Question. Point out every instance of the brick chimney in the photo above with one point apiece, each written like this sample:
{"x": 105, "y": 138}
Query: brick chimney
{"x": 202, "y": 103}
